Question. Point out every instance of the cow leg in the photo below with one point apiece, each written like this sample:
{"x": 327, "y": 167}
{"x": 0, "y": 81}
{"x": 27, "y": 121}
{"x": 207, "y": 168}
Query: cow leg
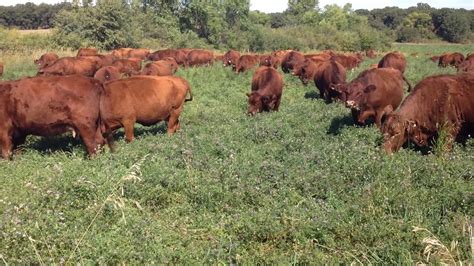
{"x": 173, "y": 120}
{"x": 7, "y": 146}
{"x": 277, "y": 104}
{"x": 129, "y": 124}
{"x": 88, "y": 135}
{"x": 18, "y": 139}
{"x": 378, "y": 118}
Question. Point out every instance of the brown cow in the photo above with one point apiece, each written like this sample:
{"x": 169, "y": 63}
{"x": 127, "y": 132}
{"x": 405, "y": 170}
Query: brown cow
{"x": 86, "y": 52}
{"x": 306, "y": 70}
{"x": 130, "y": 66}
{"x": 231, "y": 58}
{"x": 246, "y": 62}
{"x": 270, "y": 61}
{"x": 157, "y": 68}
{"x": 329, "y": 73}
{"x": 349, "y": 62}
{"x": 199, "y": 57}
{"x": 70, "y": 66}
{"x": 46, "y": 60}
{"x": 290, "y": 60}
{"x": 121, "y": 53}
{"x": 266, "y": 91}
{"x": 435, "y": 58}
{"x": 178, "y": 55}
{"x": 142, "y": 99}
{"x": 373, "y": 90}
{"x": 394, "y": 60}
{"x": 443, "y": 101}
{"x": 100, "y": 60}
{"x": 107, "y": 73}
{"x": 141, "y": 54}
{"x": 451, "y": 59}
{"x": 172, "y": 64}
{"x": 467, "y": 65}
{"x": 47, "y": 106}
{"x": 371, "y": 54}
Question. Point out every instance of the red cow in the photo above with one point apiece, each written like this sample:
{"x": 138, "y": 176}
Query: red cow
{"x": 394, "y": 60}
{"x": 267, "y": 88}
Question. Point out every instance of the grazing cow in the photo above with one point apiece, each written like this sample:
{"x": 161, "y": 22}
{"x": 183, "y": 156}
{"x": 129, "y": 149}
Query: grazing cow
{"x": 70, "y": 66}
{"x": 130, "y": 66}
{"x": 290, "y": 60}
{"x": 467, "y": 65}
{"x": 435, "y": 58}
{"x": 373, "y": 90}
{"x": 46, "y": 60}
{"x": 443, "y": 101}
{"x": 157, "y": 68}
{"x": 371, "y": 54}
{"x": 329, "y": 73}
{"x": 306, "y": 70}
{"x": 178, "y": 55}
{"x": 394, "y": 60}
{"x": 86, "y": 52}
{"x": 107, "y": 73}
{"x": 246, "y": 62}
{"x": 349, "y": 62}
{"x": 100, "y": 60}
{"x": 267, "y": 87}
{"x": 142, "y": 99}
{"x": 199, "y": 58}
{"x": 47, "y": 106}
{"x": 270, "y": 61}
{"x": 450, "y": 59}
{"x": 231, "y": 58}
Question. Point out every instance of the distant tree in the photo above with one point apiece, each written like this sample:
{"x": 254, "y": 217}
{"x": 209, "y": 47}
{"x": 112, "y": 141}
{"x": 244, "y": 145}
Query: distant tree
{"x": 299, "y": 7}
{"x": 452, "y": 25}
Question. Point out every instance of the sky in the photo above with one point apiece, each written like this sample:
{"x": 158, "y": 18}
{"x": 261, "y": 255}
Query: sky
{"x": 269, "y": 6}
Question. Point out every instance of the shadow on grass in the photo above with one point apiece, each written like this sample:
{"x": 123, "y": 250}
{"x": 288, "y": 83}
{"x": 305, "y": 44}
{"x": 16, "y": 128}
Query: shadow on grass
{"x": 338, "y": 123}
{"x": 312, "y": 95}
{"x": 66, "y": 143}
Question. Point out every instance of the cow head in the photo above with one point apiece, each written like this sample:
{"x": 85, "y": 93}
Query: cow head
{"x": 259, "y": 103}
{"x": 339, "y": 91}
{"x": 393, "y": 130}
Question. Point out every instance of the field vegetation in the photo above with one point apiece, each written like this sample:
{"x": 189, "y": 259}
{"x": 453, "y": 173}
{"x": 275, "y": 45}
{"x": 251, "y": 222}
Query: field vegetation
{"x": 302, "y": 185}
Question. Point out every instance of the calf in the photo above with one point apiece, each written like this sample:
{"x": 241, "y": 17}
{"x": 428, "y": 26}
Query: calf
{"x": 47, "y": 106}
{"x": 142, "y": 99}
{"x": 439, "y": 101}
{"x": 266, "y": 90}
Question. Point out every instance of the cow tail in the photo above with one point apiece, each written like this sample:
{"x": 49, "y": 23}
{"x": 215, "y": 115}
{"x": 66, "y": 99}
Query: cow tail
{"x": 407, "y": 82}
{"x": 190, "y": 94}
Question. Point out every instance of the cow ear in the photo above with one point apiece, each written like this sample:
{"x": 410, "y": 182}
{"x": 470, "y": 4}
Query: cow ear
{"x": 386, "y": 111}
{"x": 370, "y": 88}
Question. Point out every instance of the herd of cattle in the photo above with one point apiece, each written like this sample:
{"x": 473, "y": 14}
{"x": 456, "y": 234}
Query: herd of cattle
{"x": 93, "y": 95}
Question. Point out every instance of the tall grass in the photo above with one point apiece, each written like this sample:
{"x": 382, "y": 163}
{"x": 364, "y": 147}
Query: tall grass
{"x": 302, "y": 185}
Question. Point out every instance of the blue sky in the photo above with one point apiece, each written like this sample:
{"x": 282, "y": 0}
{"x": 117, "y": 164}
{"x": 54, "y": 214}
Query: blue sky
{"x": 280, "y": 5}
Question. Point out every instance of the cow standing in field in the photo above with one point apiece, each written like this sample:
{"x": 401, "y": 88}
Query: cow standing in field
{"x": 48, "y": 106}
{"x": 246, "y": 62}
{"x": 231, "y": 58}
{"x": 394, "y": 60}
{"x": 86, "y": 52}
{"x": 142, "y": 99}
{"x": 199, "y": 58}
{"x": 178, "y": 54}
{"x": 306, "y": 70}
{"x": 443, "y": 101}
{"x": 371, "y": 92}
{"x": 290, "y": 60}
{"x": 71, "y": 66}
{"x": 329, "y": 73}
{"x": 46, "y": 60}
{"x": 266, "y": 90}
{"x": 451, "y": 59}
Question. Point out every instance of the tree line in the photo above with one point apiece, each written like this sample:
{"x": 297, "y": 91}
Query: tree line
{"x": 224, "y": 24}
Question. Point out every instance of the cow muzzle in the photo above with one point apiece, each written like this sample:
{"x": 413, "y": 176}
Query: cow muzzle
{"x": 352, "y": 104}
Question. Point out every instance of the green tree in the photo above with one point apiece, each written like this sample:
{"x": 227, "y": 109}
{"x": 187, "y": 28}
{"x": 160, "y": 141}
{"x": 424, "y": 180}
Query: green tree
{"x": 452, "y": 25}
{"x": 299, "y": 7}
